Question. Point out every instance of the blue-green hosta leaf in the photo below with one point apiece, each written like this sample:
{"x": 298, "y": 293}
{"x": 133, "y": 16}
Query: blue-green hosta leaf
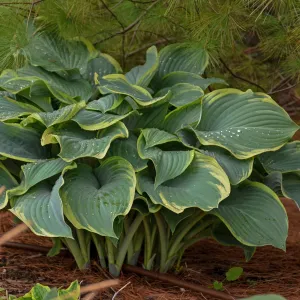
{"x": 286, "y": 159}
{"x": 7, "y": 94}
{"x": 62, "y": 89}
{"x": 291, "y": 186}
{"x": 245, "y": 123}
{"x": 140, "y": 204}
{"x": 132, "y": 103}
{"x": 9, "y": 182}
{"x": 20, "y": 143}
{"x": 127, "y": 148}
{"x": 180, "y": 77}
{"x": 55, "y": 54}
{"x": 39, "y": 82}
{"x": 107, "y": 192}
{"x": 174, "y": 219}
{"x": 123, "y": 108}
{"x": 148, "y": 118}
{"x": 188, "y": 138}
{"x": 184, "y": 116}
{"x": 42, "y": 210}
{"x": 168, "y": 164}
{"x": 254, "y": 215}
{"x": 34, "y": 173}
{"x": 43, "y": 102}
{"x": 274, "y": 182}
{"x": 182, "y": 94}
{"x": 287, "y": 185}
{"x": 118, "y": 84}
{"x": 223, "y": 235}
{"x": 106, "y": 103}
{"x": 75, "y": 142}
{"x": 12, "y": 109}
{"x": 182, "y": 57}
{"x": 94, "y": 120}
{"x": 43, "y": 83}
{"x": 154, "y": 137}
{"x": 152, "y": 208}
{"x": 237, "y": 170}
{"x": 56, "y": 117}
{"x": 203, "y": 184}
{"x": 102, "y": 65}
{"x": 142, "y": 75}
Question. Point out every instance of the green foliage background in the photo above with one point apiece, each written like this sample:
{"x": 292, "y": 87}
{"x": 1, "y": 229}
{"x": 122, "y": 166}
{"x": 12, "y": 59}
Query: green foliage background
{"x": 258, "y": 40}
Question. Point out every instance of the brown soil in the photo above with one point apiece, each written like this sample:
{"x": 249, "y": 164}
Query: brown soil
{"x": 270, "y": 270}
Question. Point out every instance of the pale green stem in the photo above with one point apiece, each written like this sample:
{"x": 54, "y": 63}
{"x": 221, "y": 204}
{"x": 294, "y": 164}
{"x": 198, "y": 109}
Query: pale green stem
{"x": 130, "y": 247}
{"x": 137, "y": 245}
{"x": 100, "y": 246}
{"x": 148, "y": 245}
{"x": 74, "y": 248}
{"x": 192, "y": 221}
{"x": 110, "y": 251}
{"x": 153, "y": 236}
{"x": 198, "y": 229}
{"x": 127, "y": 240}
{"x": 84, "y": 243}
{"x": 163, "y": 241}
{"x": 191, "y": 242}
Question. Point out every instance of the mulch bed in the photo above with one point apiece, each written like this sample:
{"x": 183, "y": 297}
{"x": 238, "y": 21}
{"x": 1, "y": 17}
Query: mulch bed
{"x": 270, "y": 271}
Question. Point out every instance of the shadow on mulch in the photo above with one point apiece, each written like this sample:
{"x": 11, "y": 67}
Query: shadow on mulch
{"x": 270, "y": 270}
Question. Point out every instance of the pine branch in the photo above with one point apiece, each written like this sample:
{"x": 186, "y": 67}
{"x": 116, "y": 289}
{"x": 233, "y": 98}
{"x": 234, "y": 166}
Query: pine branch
{"x": 113, "y": 14}
{"x": 123, "y": 28}
{"x": 9, "y": 6}
{"x": 162, "y": 41}
{"x": 239, "y": 77}
{"x": 129, "y": 27}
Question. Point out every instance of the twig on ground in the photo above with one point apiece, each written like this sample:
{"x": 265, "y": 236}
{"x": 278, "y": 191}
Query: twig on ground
{"x": 104, "y": 273}
{"x": 13, "y": 233}
{"x": 122, "y": 288}
{"x": 99, "y": 286}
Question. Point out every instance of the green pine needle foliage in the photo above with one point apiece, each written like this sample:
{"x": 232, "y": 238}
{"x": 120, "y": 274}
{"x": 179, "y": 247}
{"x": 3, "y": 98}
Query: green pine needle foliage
{"x": 258, "y": 39}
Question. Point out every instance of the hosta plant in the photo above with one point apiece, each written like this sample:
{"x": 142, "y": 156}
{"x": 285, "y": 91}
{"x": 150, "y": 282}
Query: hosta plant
{"x": 137, "y": 166}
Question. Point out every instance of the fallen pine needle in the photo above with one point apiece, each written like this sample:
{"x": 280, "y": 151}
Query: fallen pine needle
{"x": 13, "y": 233}
{"x": 122, "y": 288}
